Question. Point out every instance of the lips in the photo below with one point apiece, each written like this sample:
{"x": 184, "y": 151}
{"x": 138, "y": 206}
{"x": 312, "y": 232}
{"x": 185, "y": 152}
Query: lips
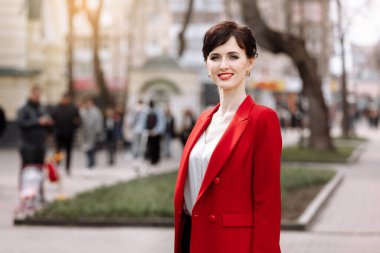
{"x": 225, "y": 76}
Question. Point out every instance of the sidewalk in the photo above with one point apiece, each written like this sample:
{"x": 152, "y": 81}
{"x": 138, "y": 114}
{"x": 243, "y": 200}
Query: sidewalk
{"x": 20, "y": 239}
{"x": 349, "y": 223}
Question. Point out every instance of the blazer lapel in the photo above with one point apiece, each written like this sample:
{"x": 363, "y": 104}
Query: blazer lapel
{"x": 198, "y": 129}
{"x": 227, "y": 143}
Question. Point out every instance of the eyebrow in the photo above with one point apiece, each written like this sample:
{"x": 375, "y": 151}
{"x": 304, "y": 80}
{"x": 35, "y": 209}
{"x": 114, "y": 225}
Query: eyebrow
{"x": 232, "y": 52}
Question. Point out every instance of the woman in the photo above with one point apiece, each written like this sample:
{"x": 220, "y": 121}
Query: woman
{"x": 227, "y": 196}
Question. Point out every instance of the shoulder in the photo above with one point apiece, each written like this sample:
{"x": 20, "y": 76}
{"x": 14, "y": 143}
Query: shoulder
{"x": 24, "y": 108}
{"x": 263, "y": 113}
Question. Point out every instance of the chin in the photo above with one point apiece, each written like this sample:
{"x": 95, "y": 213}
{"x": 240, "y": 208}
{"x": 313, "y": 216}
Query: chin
{"x": 227, "y": 86}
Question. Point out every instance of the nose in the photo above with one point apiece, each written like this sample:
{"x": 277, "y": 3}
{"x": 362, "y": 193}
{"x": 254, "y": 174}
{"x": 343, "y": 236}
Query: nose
{"x": 223, "y": 64}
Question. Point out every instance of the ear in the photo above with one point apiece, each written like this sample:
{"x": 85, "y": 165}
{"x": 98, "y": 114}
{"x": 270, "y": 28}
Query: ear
{"x": 250, "y": 64}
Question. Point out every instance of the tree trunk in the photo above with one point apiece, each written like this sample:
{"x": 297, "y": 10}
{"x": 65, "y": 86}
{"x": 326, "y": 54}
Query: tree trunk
{"x": 345, "y": 119}
{"x": 295, "y": 48}
{"x": 94, "y": 18}
{"x": 99, "y": 76}
{"x": 70, "y": 42}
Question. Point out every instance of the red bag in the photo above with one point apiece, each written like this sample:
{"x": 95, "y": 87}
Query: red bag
{"x": 53, "y": 174}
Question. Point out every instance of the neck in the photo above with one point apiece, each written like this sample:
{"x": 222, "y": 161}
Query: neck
{"x": 230, "y": 100}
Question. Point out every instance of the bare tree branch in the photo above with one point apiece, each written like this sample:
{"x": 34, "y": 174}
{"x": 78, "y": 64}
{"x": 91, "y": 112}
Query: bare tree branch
{"x": 186, "y": 21}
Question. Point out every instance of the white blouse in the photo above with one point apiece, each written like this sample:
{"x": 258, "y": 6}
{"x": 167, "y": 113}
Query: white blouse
{"x": 200, "y": 157}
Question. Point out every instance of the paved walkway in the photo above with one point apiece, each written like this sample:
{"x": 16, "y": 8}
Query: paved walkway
{"x": 349, "y": 223}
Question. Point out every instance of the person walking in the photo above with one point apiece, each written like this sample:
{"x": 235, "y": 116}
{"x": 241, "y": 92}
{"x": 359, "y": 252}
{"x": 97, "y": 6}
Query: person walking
{"x": 111, "y": 129}
{"x": 136, "y": 122}
{"x": 188, "y": 123}
{"x": 34, "y": 123}
{"x": 169, "y": 133}
{"x": 67, "y": 119}
{"x": 227, "y": 196}
{"x": 92, "y": 129}
{"x": 154, "y": 127}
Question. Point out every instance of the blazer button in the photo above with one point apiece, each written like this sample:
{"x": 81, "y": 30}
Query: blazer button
{"x": 217, "y": 180}
{"x": 212, "y": 218}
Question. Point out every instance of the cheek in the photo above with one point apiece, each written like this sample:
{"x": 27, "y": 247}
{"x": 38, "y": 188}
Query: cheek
{"x": 212, "y": 68}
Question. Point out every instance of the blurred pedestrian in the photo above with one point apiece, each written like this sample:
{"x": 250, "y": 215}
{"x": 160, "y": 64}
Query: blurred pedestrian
{"x": 92, "y": 129}
{"x": 110, "y": 125}
{"x": 228, "y": 196}
{"x": 169, "y": 134}
{"x": 119, "y": 124}
{"x": 373, "y": 115}
{"x": 67, "y": 119}
{"x": 188, "y": 122}
{"x": 154, "y": 127}
{"x": 137, "y": 124}
{"x": 3, "y": 121}
{"x": 34, "y": 123}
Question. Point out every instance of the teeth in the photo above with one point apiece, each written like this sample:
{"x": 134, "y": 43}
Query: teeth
{"x": 225, "y": 75}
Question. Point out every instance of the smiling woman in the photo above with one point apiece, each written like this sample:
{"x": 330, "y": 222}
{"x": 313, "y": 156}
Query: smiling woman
{"x": 227, "y": 196}
{"x": 228, "y": 66}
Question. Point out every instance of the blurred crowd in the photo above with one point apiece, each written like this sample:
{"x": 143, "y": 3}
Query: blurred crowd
{"x": 295, "y": 115}
{"x": 145, "y": 132}
{"x": 151, "y": 130}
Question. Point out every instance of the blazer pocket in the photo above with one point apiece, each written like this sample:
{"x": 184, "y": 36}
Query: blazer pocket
{"x": 237, "y": 220}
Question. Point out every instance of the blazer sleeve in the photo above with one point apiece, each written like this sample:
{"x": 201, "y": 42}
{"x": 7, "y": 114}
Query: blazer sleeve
{"x": 266, "y": 183}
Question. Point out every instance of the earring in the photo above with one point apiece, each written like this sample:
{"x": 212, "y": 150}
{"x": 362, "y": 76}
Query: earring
{"x": 248, "y": 73}
{"x": 209, "y": 75}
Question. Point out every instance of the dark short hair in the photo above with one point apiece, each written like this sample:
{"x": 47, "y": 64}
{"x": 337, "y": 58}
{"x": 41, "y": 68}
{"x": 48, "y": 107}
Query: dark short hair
{"x": 220, "y": 33}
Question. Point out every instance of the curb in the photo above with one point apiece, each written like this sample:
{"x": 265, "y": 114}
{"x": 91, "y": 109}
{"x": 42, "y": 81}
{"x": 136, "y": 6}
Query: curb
{"x": 307, "y": 217}
{"x": 99, "y": 222}
{"x": 359, "y": 150}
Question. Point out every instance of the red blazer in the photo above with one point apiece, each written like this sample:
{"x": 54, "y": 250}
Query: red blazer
{"x": 238, "y": 208}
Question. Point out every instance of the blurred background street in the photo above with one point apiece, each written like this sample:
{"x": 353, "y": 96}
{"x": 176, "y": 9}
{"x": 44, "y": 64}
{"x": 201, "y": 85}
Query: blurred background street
{"x": 348, "y": 223}
{"x": 103, "y": 91}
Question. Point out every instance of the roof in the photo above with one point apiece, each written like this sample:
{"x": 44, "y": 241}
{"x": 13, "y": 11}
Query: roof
{"x": 161, "y": 62}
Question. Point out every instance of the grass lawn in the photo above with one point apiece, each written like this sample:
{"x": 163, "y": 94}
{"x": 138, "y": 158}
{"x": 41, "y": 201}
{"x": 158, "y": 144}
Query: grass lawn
{"x": 295, "y": 153}
{"x": 343, "y": 150}
{"x": 299, "y": 187}
{"x": 153, "y": 197}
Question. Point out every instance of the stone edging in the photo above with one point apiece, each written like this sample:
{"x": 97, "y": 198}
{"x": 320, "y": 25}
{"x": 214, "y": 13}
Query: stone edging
{"x": 307, "y": 217}
{"x": 357, "y": 153}
{"x": 99, "y": 222}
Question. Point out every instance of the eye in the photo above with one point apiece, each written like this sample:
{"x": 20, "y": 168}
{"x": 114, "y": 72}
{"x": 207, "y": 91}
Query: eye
{"x": 234, "y": 57}
{"x": 214, "y": 58}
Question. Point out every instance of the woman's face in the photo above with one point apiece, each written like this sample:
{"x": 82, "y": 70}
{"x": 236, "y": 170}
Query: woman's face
{"x": 228, "y": 65}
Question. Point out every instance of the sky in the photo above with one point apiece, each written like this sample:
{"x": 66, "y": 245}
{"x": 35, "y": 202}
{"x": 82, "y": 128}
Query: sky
{"x": 362, "y": 21}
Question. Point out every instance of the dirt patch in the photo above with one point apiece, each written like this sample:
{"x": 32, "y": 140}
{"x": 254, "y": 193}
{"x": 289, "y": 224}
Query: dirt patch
{"x": 296, "y": 201}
